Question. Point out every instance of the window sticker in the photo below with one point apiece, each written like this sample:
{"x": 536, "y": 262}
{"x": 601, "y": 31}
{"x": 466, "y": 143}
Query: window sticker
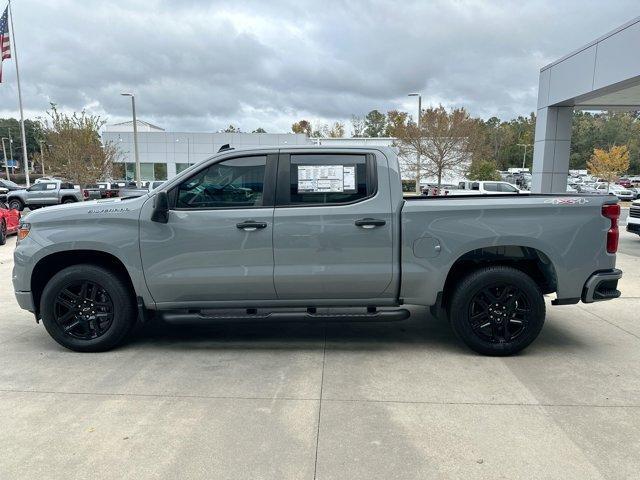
{"x": 349, "y": 178}
{"x": 322, "y": 178}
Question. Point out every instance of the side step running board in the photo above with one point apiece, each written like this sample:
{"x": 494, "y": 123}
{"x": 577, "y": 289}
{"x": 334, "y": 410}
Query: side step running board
{"x": 371, "y": 316}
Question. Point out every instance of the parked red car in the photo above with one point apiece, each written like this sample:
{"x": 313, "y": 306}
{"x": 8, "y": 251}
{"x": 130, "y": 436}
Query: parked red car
{"x": 9, "y": 222}
{"x": 625, "y": 182}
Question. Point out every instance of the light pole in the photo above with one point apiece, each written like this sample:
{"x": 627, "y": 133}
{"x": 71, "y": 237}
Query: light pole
{"x": 418, "y": 172}
{"x": 524, "y": 156}
{"x": 6, "y": 162}
{"x": 135, "y": 135}
{"x": 41, "y": 156}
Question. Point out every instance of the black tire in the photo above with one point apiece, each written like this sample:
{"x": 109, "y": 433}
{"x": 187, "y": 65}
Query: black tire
{"x": 16, "y": 204}
{"x": 3, "y": 232}
{"x": 68, "y": 200}
{"x": 497, "y": 310}
{"x": 63, "y": 305}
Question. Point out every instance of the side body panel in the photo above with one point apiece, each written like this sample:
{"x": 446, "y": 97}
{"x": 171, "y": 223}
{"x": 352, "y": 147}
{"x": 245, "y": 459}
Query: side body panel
{"x": 109, "y": 226}
{"x": 201, "y": 256}
{"x": 319, "y": 252}
{"x": 570, "y": 233}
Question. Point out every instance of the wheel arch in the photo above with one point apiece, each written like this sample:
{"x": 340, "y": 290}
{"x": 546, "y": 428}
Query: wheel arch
{"x": 49, "y": 265}
{"x": 529, "y": 260}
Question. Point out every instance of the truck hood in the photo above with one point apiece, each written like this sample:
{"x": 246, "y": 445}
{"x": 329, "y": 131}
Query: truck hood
{"x": 85, "y": 209}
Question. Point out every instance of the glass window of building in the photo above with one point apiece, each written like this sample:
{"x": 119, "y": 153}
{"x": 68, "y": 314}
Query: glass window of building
{"x": 181, "y": 166}
{"x": 160, "y": 171}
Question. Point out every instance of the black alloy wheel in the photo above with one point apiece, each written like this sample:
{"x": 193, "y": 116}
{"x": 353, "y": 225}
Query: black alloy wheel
{"x": 497, "y": 310}
{"x": 499, "y": 313}
{"x": 88, "y": 308}
{"x": 84, "y": 310}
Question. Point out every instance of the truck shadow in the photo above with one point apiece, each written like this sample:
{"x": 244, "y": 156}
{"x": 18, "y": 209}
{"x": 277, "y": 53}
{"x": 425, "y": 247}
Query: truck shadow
{"x": 420, "y": 330}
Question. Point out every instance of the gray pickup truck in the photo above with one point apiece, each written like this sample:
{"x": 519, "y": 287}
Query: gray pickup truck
{"x": 42, "y": 194}
{"x": 316, "y": 234}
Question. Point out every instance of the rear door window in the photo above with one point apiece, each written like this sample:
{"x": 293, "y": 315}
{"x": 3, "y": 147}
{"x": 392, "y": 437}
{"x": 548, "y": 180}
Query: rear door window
{"x": 505, "y": 187}
{"x": 328, "y": 179}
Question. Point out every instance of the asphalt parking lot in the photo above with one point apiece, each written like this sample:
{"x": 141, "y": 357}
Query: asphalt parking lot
{"x": 334, "y": 401}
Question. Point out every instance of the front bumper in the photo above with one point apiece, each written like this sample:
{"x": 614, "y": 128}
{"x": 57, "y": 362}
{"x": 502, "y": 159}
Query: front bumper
{"x": 25, "y": 300}
{"x": 633, "y": 228}
{"x": 602, "y": 286}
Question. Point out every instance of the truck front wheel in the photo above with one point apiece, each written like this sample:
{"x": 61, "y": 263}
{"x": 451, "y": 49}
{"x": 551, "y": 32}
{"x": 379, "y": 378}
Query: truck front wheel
{"x": 16, "y": 204}
{"x": 87, "y": 308}
{"x": 497, "y": 310}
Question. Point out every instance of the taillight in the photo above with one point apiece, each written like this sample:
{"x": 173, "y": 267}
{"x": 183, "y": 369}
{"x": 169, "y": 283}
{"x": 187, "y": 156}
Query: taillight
{"x": 612, "y": 212}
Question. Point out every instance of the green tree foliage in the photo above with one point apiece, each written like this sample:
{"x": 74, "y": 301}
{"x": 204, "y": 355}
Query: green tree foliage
{"x": 602, "y": 131}
{"x": 33, "y": 130}
{"x": 74, "y": 148}
{"x": 483, "y": 170}
{"x": 259, "y": 130}
{"x": 375, "y": 124}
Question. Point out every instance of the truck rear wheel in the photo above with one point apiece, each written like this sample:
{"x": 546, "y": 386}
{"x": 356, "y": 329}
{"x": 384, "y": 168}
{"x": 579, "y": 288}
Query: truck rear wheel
{"x": 497, "y": 310}
{"x": 87, "y": 308}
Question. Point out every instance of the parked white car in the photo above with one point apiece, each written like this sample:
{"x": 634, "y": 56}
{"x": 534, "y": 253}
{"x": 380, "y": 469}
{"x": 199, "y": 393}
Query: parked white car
{"x": 633, "y": 221}
{"x": 487, "y": 188}
{"x": 620, "y": 192}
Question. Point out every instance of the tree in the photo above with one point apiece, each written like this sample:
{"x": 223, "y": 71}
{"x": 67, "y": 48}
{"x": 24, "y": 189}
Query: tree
{"x": 608, "y": 164}
{"x": 259, "y": 130}
{"x": 483, "y": 170}
{"x": 74, "y": 148}
{"x": 303, "y": 126}
{"x": 358, "y": 126}
{"x": 396, "y": 122}
{"x": 336, "y": 130}
{"x": 10, "y": 127}
{"x": 375, "y": 124}
{"x": 231, "y": 129}
{"x": 445, "y": 143}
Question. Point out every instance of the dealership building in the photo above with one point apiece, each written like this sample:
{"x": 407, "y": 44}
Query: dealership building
{"x": 164, "y": 154}
{"x": 601, "y": 75}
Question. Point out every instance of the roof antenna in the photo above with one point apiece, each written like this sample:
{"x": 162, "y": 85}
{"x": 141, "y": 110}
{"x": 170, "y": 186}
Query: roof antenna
{"x": 224, "y": 148}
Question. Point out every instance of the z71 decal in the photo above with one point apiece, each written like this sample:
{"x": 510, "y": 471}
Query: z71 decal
{"x": 567, "y": 201}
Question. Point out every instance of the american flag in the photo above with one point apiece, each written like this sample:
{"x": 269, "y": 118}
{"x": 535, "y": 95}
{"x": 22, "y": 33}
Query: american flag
{"x": 4, "y": 39}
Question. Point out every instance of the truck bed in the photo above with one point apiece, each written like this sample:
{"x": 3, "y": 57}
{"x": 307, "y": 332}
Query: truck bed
{"x": 568, "y": 231}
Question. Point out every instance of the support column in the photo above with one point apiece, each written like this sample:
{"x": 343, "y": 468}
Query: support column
{"x": 551, "y": 150}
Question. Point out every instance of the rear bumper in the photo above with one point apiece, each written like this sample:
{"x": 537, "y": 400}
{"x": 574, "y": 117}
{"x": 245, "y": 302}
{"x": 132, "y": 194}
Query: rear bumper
{"x": 602, "y": 286}
{"x": 25, "y": 300}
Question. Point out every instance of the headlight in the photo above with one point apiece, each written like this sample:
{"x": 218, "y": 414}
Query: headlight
{"x": 23, "y": 230}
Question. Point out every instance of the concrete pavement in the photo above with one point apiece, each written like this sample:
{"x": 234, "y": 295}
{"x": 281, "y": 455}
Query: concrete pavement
{"x": 337, "y": 401}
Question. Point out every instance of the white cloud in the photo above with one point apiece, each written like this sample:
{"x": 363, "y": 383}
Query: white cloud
{"x": 201, "y": 65}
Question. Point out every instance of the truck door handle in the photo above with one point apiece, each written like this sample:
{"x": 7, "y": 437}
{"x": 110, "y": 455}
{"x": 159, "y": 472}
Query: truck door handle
{"x": 369, "y": 223}
{"x": 250, "y": 225}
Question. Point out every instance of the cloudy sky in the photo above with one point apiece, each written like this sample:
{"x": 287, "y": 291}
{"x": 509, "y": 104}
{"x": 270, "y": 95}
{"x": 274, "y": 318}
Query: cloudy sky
{"x": 199, "y": 65}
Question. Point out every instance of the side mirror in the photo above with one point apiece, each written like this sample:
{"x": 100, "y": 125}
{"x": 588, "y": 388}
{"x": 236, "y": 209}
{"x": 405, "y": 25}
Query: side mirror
{"x": 160, "y": 208}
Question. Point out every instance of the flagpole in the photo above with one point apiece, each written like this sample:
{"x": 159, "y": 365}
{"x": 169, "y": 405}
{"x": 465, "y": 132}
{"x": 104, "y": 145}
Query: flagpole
{"x": 24, "y": 137}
